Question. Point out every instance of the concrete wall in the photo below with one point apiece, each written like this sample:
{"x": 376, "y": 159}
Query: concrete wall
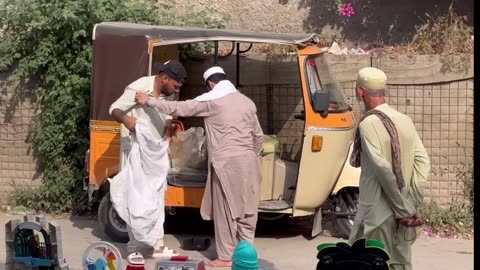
{"x": 375, "y": 21}
{"x": 440, "y": 102}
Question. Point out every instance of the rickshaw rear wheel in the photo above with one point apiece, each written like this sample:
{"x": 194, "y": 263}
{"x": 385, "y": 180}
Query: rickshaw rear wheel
{"x": 111, "y": 223}
{"x": 347, "y": 202}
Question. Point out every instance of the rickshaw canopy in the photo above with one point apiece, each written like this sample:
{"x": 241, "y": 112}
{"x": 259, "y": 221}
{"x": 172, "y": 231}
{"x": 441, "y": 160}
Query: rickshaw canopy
{"x": 178, "y": 35}
{"x": 121, "y": 53}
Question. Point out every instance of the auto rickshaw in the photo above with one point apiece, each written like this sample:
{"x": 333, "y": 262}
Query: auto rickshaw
{"x": 320, "y": 180}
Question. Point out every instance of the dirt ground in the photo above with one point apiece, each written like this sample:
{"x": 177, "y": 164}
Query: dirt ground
{"x": 280, "y": 245}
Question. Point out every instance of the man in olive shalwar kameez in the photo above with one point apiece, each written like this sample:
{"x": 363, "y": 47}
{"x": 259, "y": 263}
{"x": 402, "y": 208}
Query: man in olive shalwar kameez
{"x": 234, "y": 143}
{"x": 395, "y": 167}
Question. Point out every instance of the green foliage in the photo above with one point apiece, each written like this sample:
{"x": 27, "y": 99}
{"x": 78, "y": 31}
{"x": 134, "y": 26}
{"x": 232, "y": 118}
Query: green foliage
{"x": 50, "y": 41}
{"x": 200, "y": 19}
{"x": 465, "y": 184}
{"x": 457, "y": 218}
{"x": 22, "y": 196}
{"x": 450, "y": 221}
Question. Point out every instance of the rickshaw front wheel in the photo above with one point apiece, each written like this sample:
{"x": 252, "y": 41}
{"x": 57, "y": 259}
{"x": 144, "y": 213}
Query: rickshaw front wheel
{"x": 346, "y": 209}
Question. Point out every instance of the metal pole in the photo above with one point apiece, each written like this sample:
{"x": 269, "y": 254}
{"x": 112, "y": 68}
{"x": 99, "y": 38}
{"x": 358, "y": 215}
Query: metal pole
{"x": 215, "y": 57}
{"x": 270, "y": 109}
{"x": 238, "y": 66}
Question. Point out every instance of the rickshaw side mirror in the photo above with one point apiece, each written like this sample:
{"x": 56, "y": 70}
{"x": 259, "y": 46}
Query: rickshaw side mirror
{"x": 320, "y": 102}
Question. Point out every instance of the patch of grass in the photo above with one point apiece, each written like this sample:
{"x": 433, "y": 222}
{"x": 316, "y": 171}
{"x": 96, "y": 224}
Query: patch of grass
{"x": 465, "y": 181}
{"x": 23, "y": 196}
{"x": 455, "y": 220}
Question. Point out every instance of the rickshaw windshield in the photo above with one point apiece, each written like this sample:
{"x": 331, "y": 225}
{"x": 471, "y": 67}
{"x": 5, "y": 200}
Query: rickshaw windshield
{"x": 319, "y": 77}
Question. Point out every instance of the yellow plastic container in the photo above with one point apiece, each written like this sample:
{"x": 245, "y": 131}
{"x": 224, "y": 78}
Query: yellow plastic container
{"x": 271, "y": 150}
{"x": 270, "y": 144}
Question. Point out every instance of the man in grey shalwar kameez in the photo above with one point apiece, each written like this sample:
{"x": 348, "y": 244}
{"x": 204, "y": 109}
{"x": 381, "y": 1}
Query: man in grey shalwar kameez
{"x": 234, "y": 144}
{"x": 395, "y": 167}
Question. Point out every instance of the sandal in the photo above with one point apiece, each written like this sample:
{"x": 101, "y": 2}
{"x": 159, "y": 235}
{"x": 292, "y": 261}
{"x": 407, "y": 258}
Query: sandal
{"x": 166, "y": 253}
{"x": 199, "y": 244}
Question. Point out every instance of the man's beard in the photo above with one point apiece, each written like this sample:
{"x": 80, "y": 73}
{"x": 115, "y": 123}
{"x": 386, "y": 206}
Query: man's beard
{"x": 164, "y": 91}
{"x": 363, "y": 107}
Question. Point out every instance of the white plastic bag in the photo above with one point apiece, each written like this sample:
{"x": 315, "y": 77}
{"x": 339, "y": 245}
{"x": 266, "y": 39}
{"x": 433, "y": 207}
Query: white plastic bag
{"x": 189, "y": 153}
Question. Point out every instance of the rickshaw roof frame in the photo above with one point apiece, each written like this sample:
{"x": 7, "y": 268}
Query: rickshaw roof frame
{"x": 179, "y": 35}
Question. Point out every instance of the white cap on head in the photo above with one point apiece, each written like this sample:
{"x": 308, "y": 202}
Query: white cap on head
{"x": 371, "y": 78}
{"x": 211, "y": 71}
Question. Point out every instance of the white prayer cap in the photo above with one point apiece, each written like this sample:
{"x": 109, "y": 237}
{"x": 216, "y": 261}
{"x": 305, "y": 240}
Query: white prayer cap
{"x": 211, "y": 71}
{"x": 371, "y": 78}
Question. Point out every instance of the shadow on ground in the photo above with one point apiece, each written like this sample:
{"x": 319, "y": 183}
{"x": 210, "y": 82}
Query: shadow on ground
{"x": 188, "y": 222}
{"x": 264, "y": 264}
{"x": 89, "y": 222}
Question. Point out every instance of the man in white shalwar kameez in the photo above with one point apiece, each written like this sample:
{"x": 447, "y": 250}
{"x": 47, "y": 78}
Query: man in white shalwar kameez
{"x": 145, "y": 226}
{"x": 394, "y": 170}
{"x": 234, "y": 137}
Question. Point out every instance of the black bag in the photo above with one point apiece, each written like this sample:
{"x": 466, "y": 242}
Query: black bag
{"x": 362, "y": 255}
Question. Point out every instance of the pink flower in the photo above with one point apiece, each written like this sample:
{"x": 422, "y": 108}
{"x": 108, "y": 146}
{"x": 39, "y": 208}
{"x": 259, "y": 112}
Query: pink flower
{"x": 428, "y": 231}
{"x": 347, "y": 10}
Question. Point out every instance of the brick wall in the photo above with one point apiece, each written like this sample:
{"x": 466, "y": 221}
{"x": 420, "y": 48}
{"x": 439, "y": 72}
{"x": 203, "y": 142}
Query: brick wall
{"x": 17, "y": 165}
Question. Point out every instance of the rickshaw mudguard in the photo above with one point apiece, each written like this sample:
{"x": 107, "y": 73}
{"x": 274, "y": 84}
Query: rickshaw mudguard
{"x": 104, "y": 152}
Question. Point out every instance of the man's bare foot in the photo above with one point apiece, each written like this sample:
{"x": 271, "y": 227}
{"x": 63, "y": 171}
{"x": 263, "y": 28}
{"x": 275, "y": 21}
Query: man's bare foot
{"x": 219, "y": 263}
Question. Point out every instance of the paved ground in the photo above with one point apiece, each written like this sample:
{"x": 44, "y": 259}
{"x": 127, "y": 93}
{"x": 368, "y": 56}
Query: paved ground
{"x": 280, "y": 245}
